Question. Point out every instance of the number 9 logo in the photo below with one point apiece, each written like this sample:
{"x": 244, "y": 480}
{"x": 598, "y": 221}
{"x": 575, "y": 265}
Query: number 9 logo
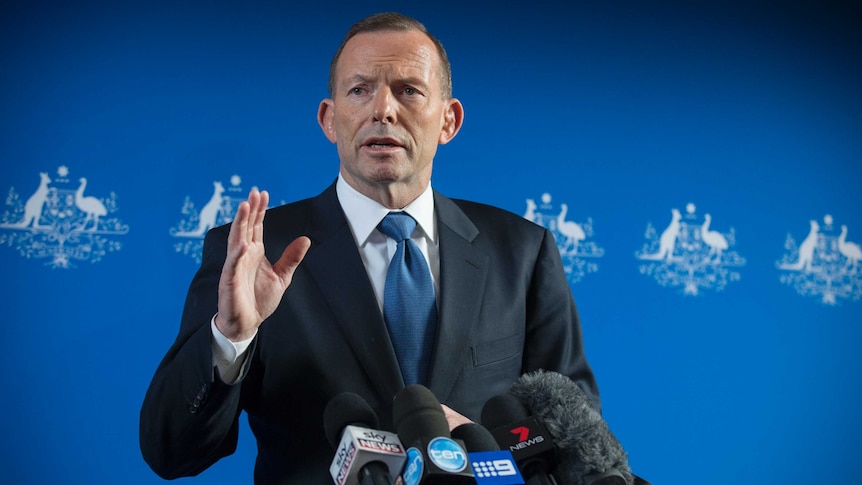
{"x": 505, "y": 468}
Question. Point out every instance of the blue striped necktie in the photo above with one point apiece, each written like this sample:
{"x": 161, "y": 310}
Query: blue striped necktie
{"x": 409, "y": 306}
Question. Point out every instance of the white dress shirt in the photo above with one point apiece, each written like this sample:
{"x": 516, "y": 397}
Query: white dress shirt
{"x": 375, "y": 248}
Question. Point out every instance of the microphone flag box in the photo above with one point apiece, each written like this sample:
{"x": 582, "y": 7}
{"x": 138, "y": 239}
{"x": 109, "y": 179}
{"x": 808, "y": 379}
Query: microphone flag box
{"x": 360, "y": 446}
{"x": 438, "y": 461}
{"x": 525, "y": 439}
{"x": 495, "y": 468}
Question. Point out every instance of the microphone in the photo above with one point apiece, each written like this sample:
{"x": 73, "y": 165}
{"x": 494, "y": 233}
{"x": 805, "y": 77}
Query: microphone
{"x": 526, "y": 438}
{"x": 491, "y": 465}
{"x": 363, "y": 454}
{"x": 475, "y": 437}
{"x": 589, "y": 453}
{"x": 433, "y": 458}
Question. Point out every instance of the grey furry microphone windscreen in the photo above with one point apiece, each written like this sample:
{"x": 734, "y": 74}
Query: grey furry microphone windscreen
{"x": 587, "y": 447}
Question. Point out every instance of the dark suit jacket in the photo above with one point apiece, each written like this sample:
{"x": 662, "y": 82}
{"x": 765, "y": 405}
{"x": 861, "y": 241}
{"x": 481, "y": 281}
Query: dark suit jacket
{"x": 505, "y": 309}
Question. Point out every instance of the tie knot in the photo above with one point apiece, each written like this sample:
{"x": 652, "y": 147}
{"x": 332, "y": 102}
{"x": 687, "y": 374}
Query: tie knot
{"x": 398, "y": 225}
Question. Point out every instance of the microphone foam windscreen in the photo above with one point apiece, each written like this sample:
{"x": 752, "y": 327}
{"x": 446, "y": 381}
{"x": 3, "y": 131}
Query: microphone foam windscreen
{"x": 585, "y": 443}
{"x": 416, "y": 413}
{"x": 475, "y": 437}
{"x": 502, "y": 410}
{"x": 345, "y": 409}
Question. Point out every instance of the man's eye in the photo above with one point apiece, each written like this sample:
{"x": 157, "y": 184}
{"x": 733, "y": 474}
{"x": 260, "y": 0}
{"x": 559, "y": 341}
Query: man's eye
{"x": 410, "y": 91}
{"x": 357, "y": 90}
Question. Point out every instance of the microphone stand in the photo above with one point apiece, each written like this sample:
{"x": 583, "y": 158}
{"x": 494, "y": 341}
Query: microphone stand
{"x": 537, "y": 471}
{"x": 542, "y": 479}
{"x": 375, "y": 473}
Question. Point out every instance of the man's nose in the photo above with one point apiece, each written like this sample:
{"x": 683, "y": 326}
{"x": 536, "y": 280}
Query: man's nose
{"x": 384, "y": 107}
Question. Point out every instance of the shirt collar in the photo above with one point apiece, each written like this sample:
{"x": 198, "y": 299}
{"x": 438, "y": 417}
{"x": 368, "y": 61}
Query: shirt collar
{"x": 364, "y": 214}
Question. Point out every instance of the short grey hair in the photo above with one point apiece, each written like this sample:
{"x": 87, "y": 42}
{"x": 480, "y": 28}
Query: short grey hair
{"x": 392, "y": 21}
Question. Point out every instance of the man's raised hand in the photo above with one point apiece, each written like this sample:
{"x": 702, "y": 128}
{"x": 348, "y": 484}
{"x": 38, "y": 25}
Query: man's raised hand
{"x": 250, "y": 287}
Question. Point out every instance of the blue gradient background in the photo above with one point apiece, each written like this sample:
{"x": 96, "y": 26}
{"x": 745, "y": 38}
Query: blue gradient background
{"x": 751, "y": 111}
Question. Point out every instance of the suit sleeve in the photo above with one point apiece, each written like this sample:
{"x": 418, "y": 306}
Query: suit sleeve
{"x": 189, "y": 417}
{"x": 553, "y": 338}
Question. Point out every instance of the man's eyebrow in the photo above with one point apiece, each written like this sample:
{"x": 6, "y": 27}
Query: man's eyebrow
{"x": 358, "y": 79}
{"x": 414, "y": 81}
{"x": 363, "y": 79}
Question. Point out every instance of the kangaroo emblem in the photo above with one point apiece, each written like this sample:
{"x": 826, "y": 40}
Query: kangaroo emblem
{"x": 208, "y": 215}
{"x": 806, "y": 250}
{"x": 667, "y": 242}
{"x": 33, "y": 207}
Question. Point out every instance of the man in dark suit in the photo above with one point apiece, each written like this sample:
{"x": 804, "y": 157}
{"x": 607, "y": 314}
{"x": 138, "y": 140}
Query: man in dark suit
{"x": 279, "y": 340}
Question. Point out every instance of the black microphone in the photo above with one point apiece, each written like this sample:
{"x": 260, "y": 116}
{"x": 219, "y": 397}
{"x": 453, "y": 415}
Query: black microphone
{"x": 589, "y": 454}
{"x": 475, "y": 437}
{"x": 363, "y": 454}
{"x": 526, "y": 438}
{"x": 433, "y": 458}
{"x": 491, "y": 465}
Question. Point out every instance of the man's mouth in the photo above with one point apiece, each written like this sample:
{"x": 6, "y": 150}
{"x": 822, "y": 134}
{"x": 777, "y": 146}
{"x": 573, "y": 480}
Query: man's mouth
{"x": 381, "y": 143}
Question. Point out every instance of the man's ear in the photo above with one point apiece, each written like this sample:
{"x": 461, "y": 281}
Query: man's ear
{"x": 453, "y": 118}
{"x": 325, "y": 118}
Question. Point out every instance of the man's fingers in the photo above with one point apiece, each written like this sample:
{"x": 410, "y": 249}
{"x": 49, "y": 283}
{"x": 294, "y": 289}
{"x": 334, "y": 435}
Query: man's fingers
{"x": 291, "y": 257}
{"x": 239, "y": 226}
{"x": 257, "y": 226}
{"x": 253, "y": 203}
{"x": 247, "y": 223}
{"x": 454, "y": 418}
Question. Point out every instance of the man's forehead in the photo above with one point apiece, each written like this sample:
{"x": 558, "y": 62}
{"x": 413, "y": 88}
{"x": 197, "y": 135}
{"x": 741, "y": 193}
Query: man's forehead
{"x": 411, "y": 48}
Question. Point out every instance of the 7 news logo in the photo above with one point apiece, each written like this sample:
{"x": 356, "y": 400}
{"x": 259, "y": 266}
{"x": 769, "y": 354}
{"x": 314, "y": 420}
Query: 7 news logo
{"x": 523, "y": 432}
{"x": 524, "y": 439}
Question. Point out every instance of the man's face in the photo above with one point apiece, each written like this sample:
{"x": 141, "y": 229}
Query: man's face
{"x": 387, "y": 114}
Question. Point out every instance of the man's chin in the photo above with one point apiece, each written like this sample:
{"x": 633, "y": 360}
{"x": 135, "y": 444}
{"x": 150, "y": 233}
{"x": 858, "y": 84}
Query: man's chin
{"x": 385, "y": 171}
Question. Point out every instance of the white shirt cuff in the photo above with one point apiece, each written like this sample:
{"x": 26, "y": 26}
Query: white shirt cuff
{"x": 228, "y": 356}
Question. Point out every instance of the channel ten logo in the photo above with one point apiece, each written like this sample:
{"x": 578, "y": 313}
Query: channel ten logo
{"x": 524, "y": 439}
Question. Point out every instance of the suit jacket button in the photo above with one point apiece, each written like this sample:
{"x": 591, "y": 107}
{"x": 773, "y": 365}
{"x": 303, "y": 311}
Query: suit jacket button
{"x": 193, "y": 409}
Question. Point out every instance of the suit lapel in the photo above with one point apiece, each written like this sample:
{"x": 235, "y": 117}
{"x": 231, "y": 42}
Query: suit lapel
{"x": 334, "y": 263}
{"x": 463, "y": 270}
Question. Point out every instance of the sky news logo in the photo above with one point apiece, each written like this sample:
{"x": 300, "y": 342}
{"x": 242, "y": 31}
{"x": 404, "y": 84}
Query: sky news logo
{"x": 381, "y": 446}
{"x": 345, "y": 457}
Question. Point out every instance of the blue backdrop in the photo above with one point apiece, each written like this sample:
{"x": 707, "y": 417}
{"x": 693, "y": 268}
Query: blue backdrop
{"x": 725, "y": 352}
